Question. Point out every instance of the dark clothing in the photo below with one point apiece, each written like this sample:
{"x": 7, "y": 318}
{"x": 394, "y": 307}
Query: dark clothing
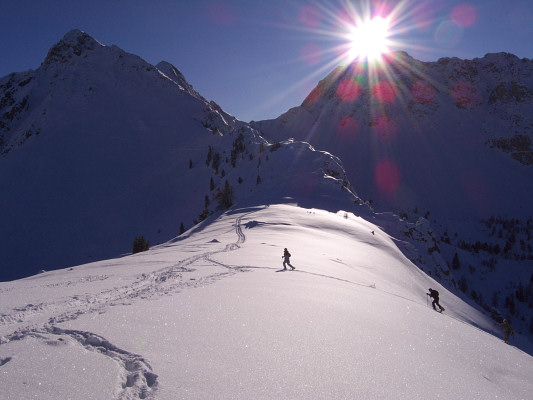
{"x": 435, "y": 295}
{"x": 286, "y": 256}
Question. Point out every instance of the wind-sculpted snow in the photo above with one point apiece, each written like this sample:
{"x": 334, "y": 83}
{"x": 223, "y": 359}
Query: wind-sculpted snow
{"x": 207, "y": 315}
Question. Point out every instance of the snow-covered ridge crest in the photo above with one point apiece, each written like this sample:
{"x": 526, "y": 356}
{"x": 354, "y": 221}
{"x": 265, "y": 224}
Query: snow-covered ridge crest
{"x": 213, "y": 315}
{"x": 175, "y": 75}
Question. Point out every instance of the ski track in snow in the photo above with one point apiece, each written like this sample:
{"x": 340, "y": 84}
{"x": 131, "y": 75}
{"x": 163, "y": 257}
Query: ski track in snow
{"x": 138, "y": 379}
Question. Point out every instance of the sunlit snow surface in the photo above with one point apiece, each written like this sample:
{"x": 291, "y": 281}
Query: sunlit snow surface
{"x": 211, "y": 315}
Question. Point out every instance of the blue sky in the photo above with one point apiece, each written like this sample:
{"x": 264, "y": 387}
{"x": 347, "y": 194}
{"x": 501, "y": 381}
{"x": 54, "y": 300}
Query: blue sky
{"x": 257, "y": 59}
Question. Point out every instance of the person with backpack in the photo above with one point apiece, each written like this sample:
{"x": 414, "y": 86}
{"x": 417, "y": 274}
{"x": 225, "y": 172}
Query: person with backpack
{"x": 435, "y": 295}
{"x": 507, "y": 329}
{"x": 286, "y": 256}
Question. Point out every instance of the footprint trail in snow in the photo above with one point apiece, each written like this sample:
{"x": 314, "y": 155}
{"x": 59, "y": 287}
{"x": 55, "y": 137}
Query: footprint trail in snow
{"x": 138, "y": 380}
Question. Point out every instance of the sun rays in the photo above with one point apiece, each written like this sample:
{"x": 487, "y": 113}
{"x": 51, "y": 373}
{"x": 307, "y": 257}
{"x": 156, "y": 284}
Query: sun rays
{"x": 360, "y": 46}
{"x": 363, "y": 61}
{"x": 368, "y": 40}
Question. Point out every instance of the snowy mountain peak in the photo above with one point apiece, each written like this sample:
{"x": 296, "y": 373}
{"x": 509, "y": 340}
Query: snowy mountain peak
{"x": 74, "y": 44}
{"x": 349, "y": 82}
{"x": 77, "y": 36}
{"x": 501, "y": 57}
{"x": 140, "y": 139}
{"x": 399, "y": 55}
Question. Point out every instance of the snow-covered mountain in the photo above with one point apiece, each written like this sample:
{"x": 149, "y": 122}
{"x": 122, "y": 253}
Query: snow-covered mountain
{"x": 211, "y": 315}
{"x": 438, "y": 136}
{"x": 100, "y": 147}
{"x": 446, "y": 146}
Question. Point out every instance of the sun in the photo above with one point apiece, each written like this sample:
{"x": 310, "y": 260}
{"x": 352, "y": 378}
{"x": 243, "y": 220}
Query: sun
{"x": 368, "y": 40}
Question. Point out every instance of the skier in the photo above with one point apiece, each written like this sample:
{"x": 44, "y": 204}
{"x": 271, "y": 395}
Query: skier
{"x": 507, "y": 330}
{"x": 435, "y": 294}
{"x": 286, "y": 256}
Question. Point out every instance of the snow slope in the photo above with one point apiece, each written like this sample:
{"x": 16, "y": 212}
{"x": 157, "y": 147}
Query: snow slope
{"x": 211, "y": 315}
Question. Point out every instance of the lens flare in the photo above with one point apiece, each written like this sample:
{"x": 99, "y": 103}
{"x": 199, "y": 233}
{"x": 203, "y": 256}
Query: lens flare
{"x": 353, "y": 42}
{"x": 222, "y": 13}
{"x": 348, "y": 90}
{"x": 464, "y": 15}
{"x": 423, "y": 92}
{"x": 314, "y": 96}
{"x": 465, "y": 95}
{"x": 384, "y": 91}
{"x": 448, "y": 34}
{"x": 387, "y": 177}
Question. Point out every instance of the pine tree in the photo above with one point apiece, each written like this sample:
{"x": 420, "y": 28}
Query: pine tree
{"x": 209, "y": 156}
{"x": 216, "y": 162}
{"x": 203, "y": 215}
{"x": 456, "y": 264}
{"x": 224, "y": 197}
{"x": 140, "y": 244}
{"x": 238, "y": 147}
{"x": 182, "y": 228}
{"x": 238, "y": 144}
{"x": 512, "y": 305}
